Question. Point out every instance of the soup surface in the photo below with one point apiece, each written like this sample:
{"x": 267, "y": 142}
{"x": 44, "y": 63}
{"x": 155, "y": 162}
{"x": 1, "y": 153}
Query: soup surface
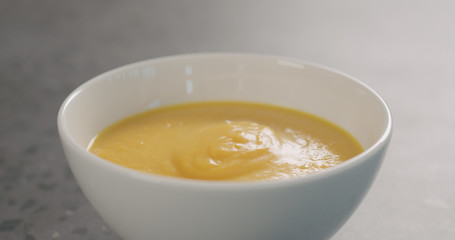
{"x": 234, "y": 141}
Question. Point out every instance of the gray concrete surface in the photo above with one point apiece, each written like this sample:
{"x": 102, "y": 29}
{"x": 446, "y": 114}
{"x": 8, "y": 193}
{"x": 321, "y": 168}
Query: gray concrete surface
{"x": 403, "y": 49}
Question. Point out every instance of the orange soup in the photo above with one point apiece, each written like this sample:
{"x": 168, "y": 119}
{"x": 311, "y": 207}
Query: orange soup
{"x": 231, "y": 141}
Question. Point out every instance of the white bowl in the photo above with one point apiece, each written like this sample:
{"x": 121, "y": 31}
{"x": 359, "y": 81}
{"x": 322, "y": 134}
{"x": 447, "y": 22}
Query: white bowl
{"x": 140, "y": 206}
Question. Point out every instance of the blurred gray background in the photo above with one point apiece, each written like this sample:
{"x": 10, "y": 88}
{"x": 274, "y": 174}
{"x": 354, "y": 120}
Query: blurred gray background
{"x": 405, "y": 50}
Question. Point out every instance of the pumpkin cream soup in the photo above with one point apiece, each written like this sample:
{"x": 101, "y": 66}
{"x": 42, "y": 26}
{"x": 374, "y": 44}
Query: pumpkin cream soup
{"x": 225, "y": 141}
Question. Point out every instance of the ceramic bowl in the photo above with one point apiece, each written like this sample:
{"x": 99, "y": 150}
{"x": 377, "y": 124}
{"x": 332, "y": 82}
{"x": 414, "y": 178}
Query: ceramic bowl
{"x": 140, "y": 206}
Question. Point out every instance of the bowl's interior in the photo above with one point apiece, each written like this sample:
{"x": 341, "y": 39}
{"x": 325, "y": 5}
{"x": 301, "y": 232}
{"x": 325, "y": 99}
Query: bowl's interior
{"x": 279, "y": 81}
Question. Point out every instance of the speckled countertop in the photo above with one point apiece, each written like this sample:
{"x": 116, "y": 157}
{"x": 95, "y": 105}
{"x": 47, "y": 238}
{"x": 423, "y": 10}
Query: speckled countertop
{"x": 403, "y": 49}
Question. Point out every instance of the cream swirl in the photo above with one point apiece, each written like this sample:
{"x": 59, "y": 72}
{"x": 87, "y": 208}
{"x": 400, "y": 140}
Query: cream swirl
{"x": 225, "y": 150}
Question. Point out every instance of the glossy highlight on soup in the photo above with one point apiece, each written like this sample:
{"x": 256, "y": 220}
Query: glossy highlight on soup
{"x": 230, "y": 141}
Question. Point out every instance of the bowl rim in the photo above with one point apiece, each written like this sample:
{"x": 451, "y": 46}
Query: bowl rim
{"x": 65, "y": 136}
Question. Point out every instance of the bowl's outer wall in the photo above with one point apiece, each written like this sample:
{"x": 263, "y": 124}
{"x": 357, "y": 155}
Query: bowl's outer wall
{"x": 142, "y": 210}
